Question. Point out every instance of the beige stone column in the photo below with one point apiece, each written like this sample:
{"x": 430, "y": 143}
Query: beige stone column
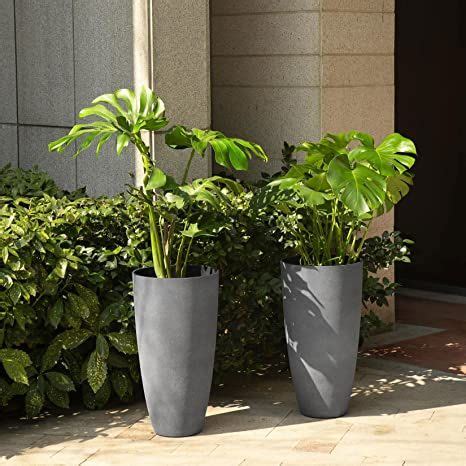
{"x": 357, "y": 92}
{"x": 294, "y": 70}
{"x": 181, "y": 74}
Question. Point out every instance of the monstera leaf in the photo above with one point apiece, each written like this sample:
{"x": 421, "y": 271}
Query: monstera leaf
{"x": 122, "y": 114}
{"x": 361, "y": 189}
{"x": 229, "y": 152}
{"x": 398, "y": 186}
{"x": 209, "y": 191}
{"x": 389, "y": 158}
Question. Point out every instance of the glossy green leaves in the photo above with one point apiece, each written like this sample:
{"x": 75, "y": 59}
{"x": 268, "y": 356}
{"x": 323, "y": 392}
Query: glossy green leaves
{"x": 344, "y": 182}
{"x": 232, "y": 153}
{"x": 361, "y": 189}
{"x": 365, "y": 178}
{"x": 123, "y": 114}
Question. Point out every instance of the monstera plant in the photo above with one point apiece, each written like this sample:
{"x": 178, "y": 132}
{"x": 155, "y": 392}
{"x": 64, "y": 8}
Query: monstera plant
{"x": 125, "y": 116}
{"x": 176, "y": 302}
{"x": 344, "y": 182}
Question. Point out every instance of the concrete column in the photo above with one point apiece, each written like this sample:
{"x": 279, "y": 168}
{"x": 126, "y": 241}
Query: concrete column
{"x": 181, "y": 74}
{"x": 8, "y": 110}
{"x": 294, "y": 70}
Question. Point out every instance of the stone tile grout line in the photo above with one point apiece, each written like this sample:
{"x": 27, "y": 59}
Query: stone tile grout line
{"x": 341, "y": 438}
{"x": 279, "y": 423}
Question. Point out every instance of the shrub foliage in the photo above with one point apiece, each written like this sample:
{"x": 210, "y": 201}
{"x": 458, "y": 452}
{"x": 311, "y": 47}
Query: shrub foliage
{"x": 66, "y": 316}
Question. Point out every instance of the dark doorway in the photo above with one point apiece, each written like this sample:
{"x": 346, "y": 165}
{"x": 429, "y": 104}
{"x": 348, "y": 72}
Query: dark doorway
{"x": 430, "y": 107}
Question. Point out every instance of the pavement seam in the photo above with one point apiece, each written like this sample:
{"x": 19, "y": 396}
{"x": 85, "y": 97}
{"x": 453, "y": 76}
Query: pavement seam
{"x": 90, "y": 456}
{"x": 279, "y": 422}
{"x": 341, "y": 438}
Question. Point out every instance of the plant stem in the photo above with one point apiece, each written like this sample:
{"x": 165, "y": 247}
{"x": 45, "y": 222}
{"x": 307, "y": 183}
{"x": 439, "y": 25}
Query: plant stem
{"x": 185, "y": 264}
{"x": 179, "y": 256}
{"x": 155, "y": 239}
{"x": 188, "y": 166}
{"x": 363, "y": 239}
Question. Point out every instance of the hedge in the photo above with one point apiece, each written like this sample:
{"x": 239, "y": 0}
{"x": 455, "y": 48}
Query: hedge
{"x": 66, "y": 316}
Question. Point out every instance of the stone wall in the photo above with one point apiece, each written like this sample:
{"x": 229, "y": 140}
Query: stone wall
{"x": 57, "y": 55}
{"x": 293, "y": 70}
{"x": 358, "y": 91}
{"x": 266, "y": 72}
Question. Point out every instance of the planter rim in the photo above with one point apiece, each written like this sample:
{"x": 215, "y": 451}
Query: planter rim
{"x": 138, "y": 273}
{"x": 287, "y": 262}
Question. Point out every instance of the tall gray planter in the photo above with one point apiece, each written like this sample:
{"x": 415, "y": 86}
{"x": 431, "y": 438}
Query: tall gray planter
{"x": 322, "y": 309}
{"x": 176, "y": 327}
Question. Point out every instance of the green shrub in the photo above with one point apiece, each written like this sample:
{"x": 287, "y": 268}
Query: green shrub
{"x": 66, "y": 316}
{"x": 66, "y": 320}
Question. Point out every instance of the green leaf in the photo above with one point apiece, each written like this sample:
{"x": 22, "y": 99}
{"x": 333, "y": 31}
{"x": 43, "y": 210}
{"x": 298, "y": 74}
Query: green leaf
{"x": 157, "y": 179}
{"x": 96, "y": 400}
{"x": 124, "y": 342}
{"x": 34, "y": 401}
{"x": 5, "y": 254}
{"x": 15, "y": 354}
{"x": 89, "y": 297}
{"x": 178, "y": 137}
{"x": 398, "y": 187}
{"x": 70, "y": 339}
{"x": 123, "y": 140}
{"x": 110, "y": 99}
{"x": 18, "y": 389}
{"x": 73, "y": 361}
{"x": 55, "y": 313}
{"x": 5, "y": 392}
{"x": 117, "y": 360}
{"x": 229, "y": 152}
{"x": 103, "y": 140}
{"x": 129, "y": 97}
{"x": 396, "y": 143}
{"x": 102, "y": 347}
{"x": 58, "y": 397}
{"x": 124, "y": 123}
{"x": 15, "y": 371}
{"x": 60, "y": 381}
{"x": 121, "y": 383}
{"x": 15, "y": 293}
{"x": 52, "y": 355}
{"x": 238, "y": 158}
{"x": 154, "y": 124}
{"x": 14, "y": 362}
{"x": 96, "y": 371}
{"x": 310, "y": 196}
{"x": 78, "y": 306}
{"x": 60, "y": 268}
{"x": 100, "y": 111}
{"x": 361, "y": 189}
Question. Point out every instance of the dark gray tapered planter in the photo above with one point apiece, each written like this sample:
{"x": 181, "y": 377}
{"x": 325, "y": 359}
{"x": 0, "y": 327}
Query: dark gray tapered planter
{"x": 176, "y": 327}
{"x": 322, "y": 308}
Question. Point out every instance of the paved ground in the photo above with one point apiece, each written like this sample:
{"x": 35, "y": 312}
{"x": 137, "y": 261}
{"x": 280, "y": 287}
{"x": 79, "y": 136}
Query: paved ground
{"x": 399, "y": 415}
{"x": 439, "y": 341}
